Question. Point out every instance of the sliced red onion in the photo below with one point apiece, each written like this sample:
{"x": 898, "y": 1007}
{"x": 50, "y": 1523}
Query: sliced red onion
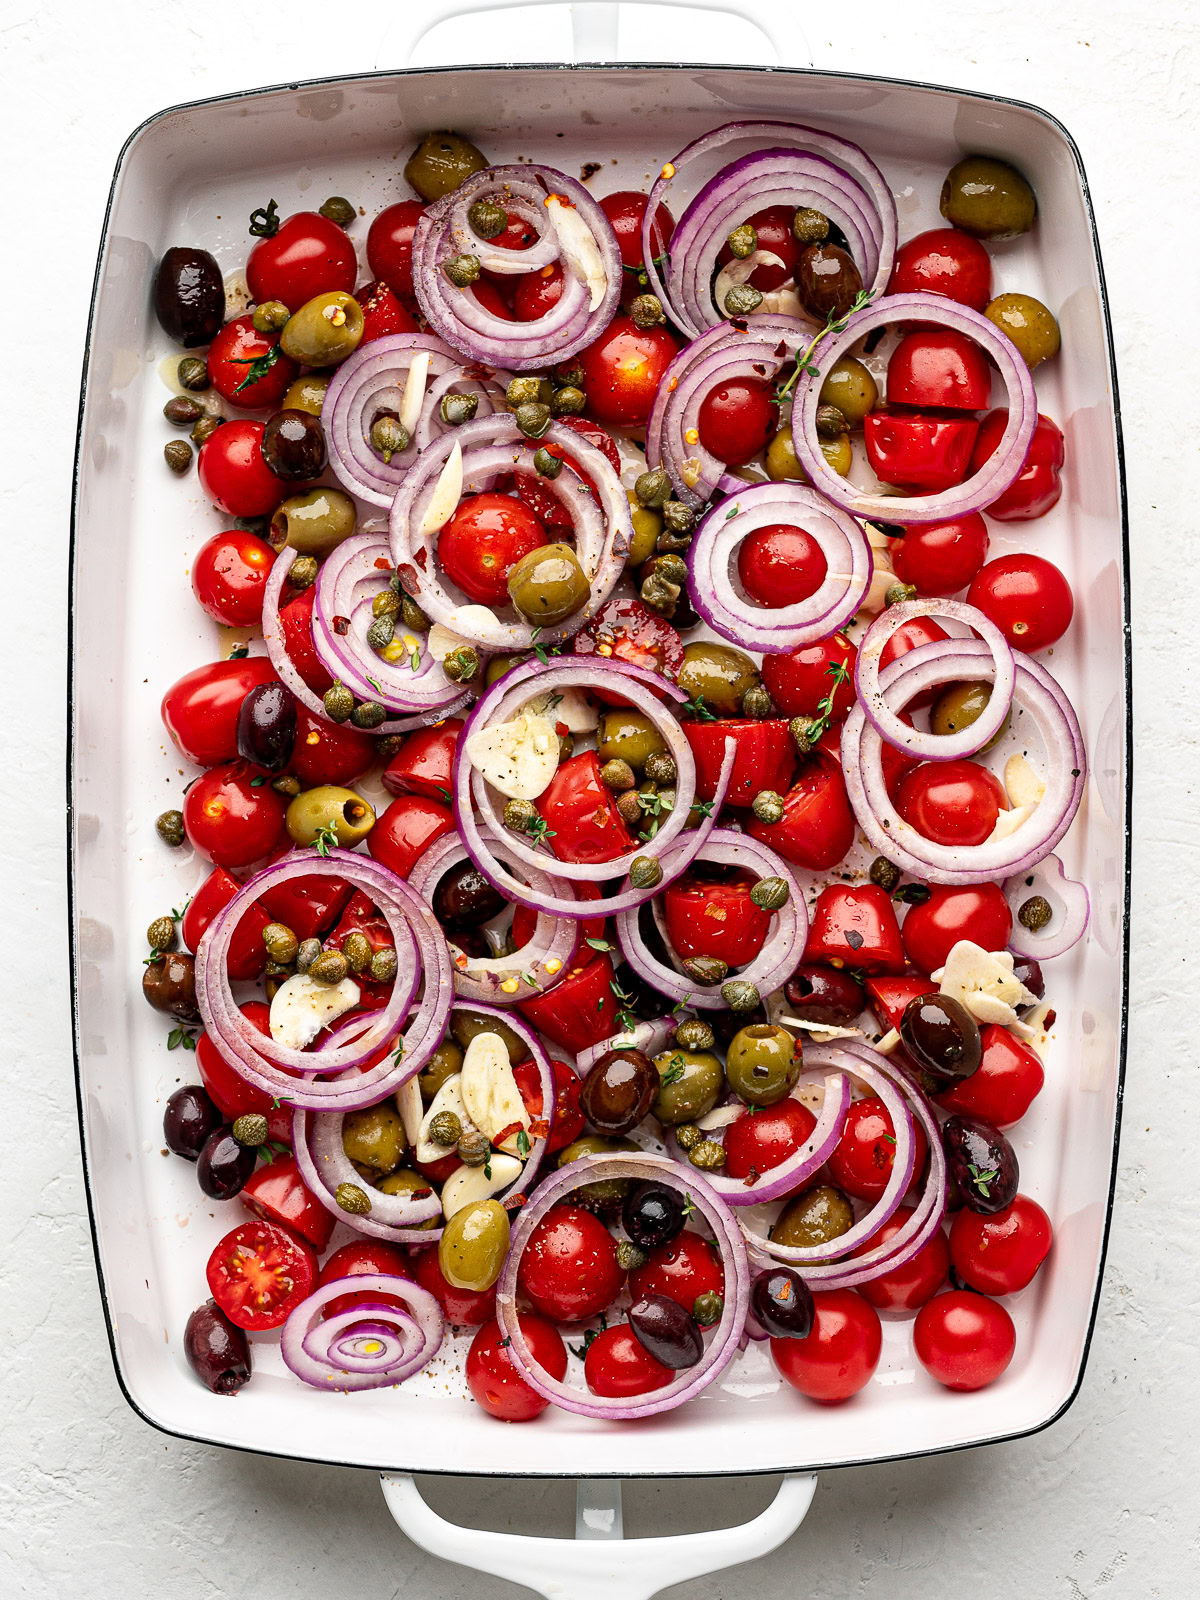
{"x": 979, "y": 490}
{"x": 1068, "y": 900}
{"x": 719, "y": 595}
{"x": 491, "y": 447}
{"x": 367, "y": 1346}
{"x": 1036, "y": 696}
{"x": 718, "y": 1351}
{"x": 585, "y": 306}
{"x": 648, "y": 1037}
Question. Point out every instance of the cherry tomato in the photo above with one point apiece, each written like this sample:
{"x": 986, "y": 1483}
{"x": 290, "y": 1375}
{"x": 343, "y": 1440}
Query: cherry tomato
{"x": 839, "y": 1356}
{"x": 928, "y": 453}
{"x": 1002, "y": 1088}
{"x": 229, "y": 1091}
{"x": 952, "y": 802}
{"x": 247, "y": 953}
{"x": 1037, "y": 487}
{"x": 569, "y": 1268}
{"x": 525, "y": 920}
{"x": 799, "y": 681}
{"x": 780, "y": 565}
{"x": 493, "y": 1378}
{"x": 482, "y": 543}
{"x": 737, "y": 420}
{"x": 236, "y": 349}
{"x": 964, "y": 1340}
{"x": 625, "y": 209}
{"x": 623, "y": 368}
{"x": 389, "y": 248}
{"x": 582, "y": 1009}
{"x": 907, "y": 1287}
{"x": 200, "y": 711}
{"x": 1027, "y": 598}
{"x": 630, "y": 632}
{"x": 567, "y": 1121}
{"x": 861, "y": 1163}
{"x": 946, "y": 262}
{"x": 233, "y": 473}
{"x": 758, "y": 1141}
{"x": 581, "y": 815}
{"x": 940, "y": 558}
{"x": 817, "y": 826}
{"x": 491, "y": 297}
{"x": 308, "y": 906}
{"x": 259, "y": 1273}
{"x": 359, "y": 1258}
{"x": 1003, "y": 1253}
{"x": 325, "y": 752}
{"x": 465, "y": 1308}
{"x": 765, "y": 758}
{"x": 361, "y": 916}
{"x": 910, "y": 636}
{"x": 228, "y": 819}
{"x": 537, "y": 292}
{"x": 278, "y": 1193}
{"x": 546, "y": 505}
{"x": 309, "y": 255}
{"x": 383, "y": 313}
{"x": 773, "y": 225}
{"x": 424, "y": 763}
{"x": 619, "y": 1366}
{"x": 229, "y": 576}
{"x": 939, "y": 367}
{"x": 890, "y": 996}
{"x": 978, "y": 912}
{"x": 295, "y": 622}
{"x": 715, "y": 919}
{"x": 854, "y": 925}
{"x": 682, "y": 1270}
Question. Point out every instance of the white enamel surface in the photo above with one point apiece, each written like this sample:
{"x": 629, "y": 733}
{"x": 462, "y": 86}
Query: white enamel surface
{"x": 196, "y": 175}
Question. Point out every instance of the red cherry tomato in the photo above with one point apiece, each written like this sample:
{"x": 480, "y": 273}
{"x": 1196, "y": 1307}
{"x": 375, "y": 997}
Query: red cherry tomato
{"x": 854, "y": 925}
{"x": 625, "y": 209}
{"x": 493, "y": 1378}
{"x": 1027, "y": 598}
{"x": 581, "y": 813}
{"x": 278, "y": 1193}
{"x": 359, "y": 1258}
{"x": 229, "y": 820}
{"x": 758, "y": 1141}
{"x": 537, "y": 292}
{"x": 200, "y": 711}
{"x": 780, "y": 565}
{"x": 424, "y": 763}
{"x": 1003, "y": 1253}
{"x": 938, "y": 368}
{"x": 232, "y": 354}
{"x": 817, "y": 826}
{"x": 546, "y": 505}
{"x": 946, "y": 262}
{"x": 482, "y": 543}
{"x": 567, "y": 1122}
{"x": 233, "y": 473}
{"x": 682, "y": 1270}
{"x": 623, "y": 368}
{"x": 630, "y": 632}
{"x": 890, "y": 996}
{"x": 839, "y": 1356}
{"x": 492, "y": 298}
{"x": 325, "y": 752}
{"x": 295, "y": 621}
{"x": 247, "y": 953}
{"x": 229, "y": 1091}
{"x": 259, "y": 1273}
{"x": 737, "y": 420}
{"x": 569, "y": 1268}
{"x": 926, "y": 453}
{"x": 765, "y": 758}
{"x": 229, "y": 576}
{"x": 389, "y": 248}
{"x": 465, "y": 1308}
{"x": 907, "y": 1287}
{"x": 1005, "y": 1084}
{"x": 618, "y": 1365}
{"x": 940, "y": 558}
{"x": 910, "y": 636}
{"x": 773, "y": 225}
{"x": 308, "y": 906}
{"x": 1038, "y": 487}
{"x": 309, "y": 255}
{"x": 582, "y": 1009}
{"x": 715, "y": 919}
{"x": 964, "y": 1340}
{"x": 862, "y": 1160}
{"x": 525, "y": 920}
{"x": 383, "y": 313}
{"x": 800, "y": 680}
{"x": 979, "y": 912}
{"x": 952, "y": 802}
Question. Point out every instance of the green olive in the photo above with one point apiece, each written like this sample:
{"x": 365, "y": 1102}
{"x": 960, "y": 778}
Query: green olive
{"x": 691, "y": 1080}
{"x": 625, "y": 735}
{"x": 720, "y": 673}
{"x": 987, "y": 198}
{"x": 406, "y": 1181}
{"x": 851, "y": 388}
{"x": 314, "y": 523}
{"x": 548, "y": 585}
{"x": 498, "y": 665}
{"x": 374, "y": 1139}
{"x": 445, "y": 1061}
{"x": 440, "y": 163}
{"x": 306, "y": 394}
{"x": 328, "y": 807}
{"x": 647, "y": 525}
{"x": 325, "y": 330}
{"x": 783, "y": 462}
{"x": 958, "y": 706}
{"x": 762, "y": 1064}
{"x": 1029, "y": 324}
{"x": 815, "y": 1217}
{"x": 466, "y": 1025}
{"x": 473, "y": 1245}
{"x": 606, "y": 1194}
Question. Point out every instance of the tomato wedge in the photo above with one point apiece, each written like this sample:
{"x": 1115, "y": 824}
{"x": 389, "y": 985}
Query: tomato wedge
{"x": 259, "y": 1273}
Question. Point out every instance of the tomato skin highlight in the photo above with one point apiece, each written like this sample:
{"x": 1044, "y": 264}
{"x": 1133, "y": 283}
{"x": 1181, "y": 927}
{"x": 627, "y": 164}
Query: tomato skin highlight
{"x": 369, "y": 1257}
{"x": 623, "y": 368}
{"x": 854, "y": 925}
{"x": 890, "y": 996}
{"x": 229, "y": 578}
{"x": 799, "y": 680}
{"x": 839, "y": 1356}
{"x": 952, "y": 802}
{"x": 756, "y": 1143}
{"x": 618, "y": 1366}
{"x": 259, "y": 1273}
{"x": 247, "y": 953}
{"x": 230, "y": 357}
{"x": 927, "y": 453}
{"x": 465, "y": 1308}
{"x": 200, "y": 710}
{"x": 582, "y": 812}
{"x": 569, "y": 1269}
{"x": 940, "y": 558}
{"x": 567, "y": 1120}
{"x": 964, "y": 1340}
{"x": 765, "y": 758}
{"x": 1003, "y": 1253}
{"x": 817, "y": 827}
{"x": 773, "y": 225}
{"x": 715, "y": 919}
{"x": 309, "y": 255}
{"x": 625, "y": 210}
{"x": 424, "y": 764}
{"x": 582, "y": 1009}
{"x": 493, "y": 1378}
{"x": 327, "y": 753}
{"x": 483, "y": 541}
{"x": 978, "y": 912}
{"x": 682, "y": 1270}
{"x": 908, "y": 1287}
{"x": 737, "y": 420}
{"x": 944, "y": 261}
{"x": 389, "y": 248}
{"x": 383, "y": 313}
{"x": 781, "y": 565}
{"x": 864, "y": 1156}
{"x": 229, "y": 1091}
{"x": 229, "y": 821}
{"x": 295, "y": 621}
{"x": 939, "y": 368}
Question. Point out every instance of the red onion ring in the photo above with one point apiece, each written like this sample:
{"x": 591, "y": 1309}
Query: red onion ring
{"x": 979, "y": 490}
{"x": 728, "y": 1332}
{"x": 1068, "y": 899}
{"x": 367, "y": 1346}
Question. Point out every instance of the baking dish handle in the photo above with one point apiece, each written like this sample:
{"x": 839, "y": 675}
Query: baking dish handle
{"x": 599, "y": 1563}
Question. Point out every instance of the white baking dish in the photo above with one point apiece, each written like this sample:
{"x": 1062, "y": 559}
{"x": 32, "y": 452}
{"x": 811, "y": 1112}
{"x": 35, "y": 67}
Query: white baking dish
{"x": 192, "y": 175}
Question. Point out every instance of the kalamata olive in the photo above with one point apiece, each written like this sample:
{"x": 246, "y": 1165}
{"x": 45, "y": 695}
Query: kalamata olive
{"x": 266, "y": 726}
{"x": 671, "y": 1334}
{"x": 217, "y": 1351}
{"x": 826, "y": 995}
{"x": 827, "y": 281}
{"x": 188, "y": 1120}
{"x": 465, "y": 899}
{"x": 169, "y": 984}
{"x": 644, "y": 1002}
{"x": 293, "y": 446}
{"x": 1030, "y": 974}
{"x": 224, "y": 1166}
{"x": 942, "y": 1036}
{"x": 652, "y": 1215}
{"x": 619, "y": 1091}
{"x": 727, "y": 1024}
{"x": 982, "y": 1163}
{"x": 189, "y": 296}
{"x": 783, "y": 1303}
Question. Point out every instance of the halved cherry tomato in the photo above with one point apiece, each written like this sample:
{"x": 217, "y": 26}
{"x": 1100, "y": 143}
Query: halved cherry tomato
{"x": 361, "y": 916}
{"x": 896, "y": 764}
{"x": 538, "y": 292}
{"x": 936, "y": 368}
{"x": 862, "y": 1161}
{"x": 625, "y": 209}
{"x": 465, "y": 1308}
{"x": 623, "y": 368}
{"x": 247, "y": 953}
{"x": 765, "y": 1138}
{"x": 544, "y": 503}
{"x": 236, "y": 349}
{"x": 326, "y": 753}
{"x": 569, "y": 1269}
{"x": 1002, "y": 1088}
{"x": 308, "y": 906}
{"x": 952, "y": 802}
{"x": 683, "y": 1270}
{"x": 854, "y": 925}
{"x": 964, "y": 1340}
{"x": 424, "y": 763}
{"x": 309, "y": 255}
{"x": 492, "y": 298}
{"x": 839, "y": 1356}
{"x": 618, "y": 1365}
{"x": 765, "y": 758}
{"x": 907, "y": 1287}
{"x": 736, "y": 420}
{"x": 780, "y": 565}
{"x": 817, "y": 826}
{"x": 229, "y": 577}
{"x": 567, "y": 1121}
{"x": 1027, "y": 598}
{"x": 582, "y": 1009}
{"x": 910, "y": 636}
{"x": 496, "y": 1383}
{"x": 482, "y": 543}
{"x": 919, "y": 452}
{"x": 364, "y": 1257}
{"x": 715, "y": 919}
{"x": 1037, "y": 487}
{"x": 890, "y": 996}
{"x": 582, "y": 820}
{"x": 234, "y": 474}
{"x": 259, "y": 1273}
{"x": 278, "y": 1193}
{"x": 200, "y": 710}
{"x": 978, "y": 912}
{"x": 406, "y": 829}
{"x": 940, "y": 558}
{"x": 946, "y": 262}
{"x": 389, "y": 248}
{"x": 773, "y": 225}
{"x": 383, "y": 313}
{"x": 626, "y": 630}
{"x": 229, "y": 819}
{"x": 800, "y": 681}
{"x": 525, "y": 919}
{"x": 295, "y": 621}
{"x": 229, "y": 1091}
{"x": 1003, "y": 1253}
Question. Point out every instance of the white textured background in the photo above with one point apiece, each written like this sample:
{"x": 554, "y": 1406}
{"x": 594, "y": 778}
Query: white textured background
{"x": 95, "y": 1504}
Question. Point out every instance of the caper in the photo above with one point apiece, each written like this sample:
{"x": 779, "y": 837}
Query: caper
{"x": 389, "y": 745}
{"x": 178, "y": 456}
{"x": 961, "y": 704}
{"x": 324, "y": 331}
{"x": 767, "y": 806}
{"x": 473, "y": 1147}
{"x": 381, "y": 632}
{"x": 708, "y": 1155}
{"x": 849, "y": 386}
{"x": 645, "y": 872}
{"x": 688, "y": 1136}
{"x": 181, "y": 411}
{"x": 659, "y": 766}
{"x": 528, "y": 391}
{"x": 762, "y": 1062}
{"x": 898, "y": 594}
{"x": 740, "y": 995}
{"x": 618, "y": 776}
{"x": 659, "y": 595}
{"x": 308, "y": 951}
{"x": 1029, "y": 324}
{"x": 770, "y": 894}
{"x": 831, "y": 424}
{"x": 629, "y": 808}
{"x": 338, "y": 702}
{"x": 678, "y": 517}
{"x": 352, "y": 1199}
{"x": 287, "y": 784}
{"x": 885, "y": 873}
{"x": 374, "y": 1139}
{"x": 519, "y": 815}
{"x": 568, "y": 402}
{"x": 548, "y": 585}
{"x": 282, "y": 944}
{"x": 653, "y": 488}
{"x": 805, "y": 732}
{"x": 568, "y": 377}
{"x": 461, "y": 664}
{"x": 487, "y": 219}
{"x": 203, "y": 429}
{"x": 809, "y": 226}
{"x": 306, "y": 394}
{"x": 368, "y": 714}
{"x": 743, "y": 241}
{"x": 546, "y": 464}
{"x": 533, "y": 419}
{"x": 358, "y": 950}
{"x": 462, "y": 270}
{"x": 277, "y": 969}
{"x": 695, "y": 1034}
{"x": 302, "y": 573}
{"x": 271, "y": 987}
{"x": 440, "y": 163}
{"x": 756, "y": 703}
{"x": 707, "y": 971}
{"x": 987, "y": 198}
{"x": 445, "y": 1061}
{"x": 338, "y": 209}
{"x": 412, "y": 616}
{"x": 330, "y": 967}
{"x": 646, "y": 311}
{"x": 384, "y": 965}
{"x": 325, "y": 808}
{"x": 389, "y": 437}
{"x": 251, "y": 1130}
{"x": 742, "y": 299}
{"x": 473, "y": 1245}
{"x": 630, "y": 1256}
{"x": 270, "y": 317}
{"x": 386, "y": 603}
{"x": 445, "y": 1129}
{"x": 1035, "y": 913}
{"x": 456, "y": 409}
{"x": 314, "y": 523}
{"x": 192, "y": 373}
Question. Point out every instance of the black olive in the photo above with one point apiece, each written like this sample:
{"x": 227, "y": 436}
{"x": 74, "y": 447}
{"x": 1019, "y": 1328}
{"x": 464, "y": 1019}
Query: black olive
{"x": 266, "y": 726}
{"x": 224, "y": 1166}
{"x": 218, "y": 1352}
{"x": 293, "y": 446}
{"x": 982, "y": 1163}
{"x": 826, "y": 995}
{"x": 465, "y": 899}
{"x": 645, "y": 1002}
{"x": 671, "y": 1334}
{"x": 652, "y": 1215}
{"x": 827, "y": 280}
{"x": 783, "y": 1303}
{"x": 169, "y": 984}
{"x": 1030, "y": 974}
{"x": 188, "y": 1120}
{"x": 189, "y": 296}
{"x": 619, "y": 1091}
{"x": 942, "y": 1036}
{"x": 725, "y": 1024}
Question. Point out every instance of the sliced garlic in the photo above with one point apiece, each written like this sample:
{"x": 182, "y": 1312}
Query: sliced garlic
{"x": 983, "y": 981}
{"x": 571, "y": 707}
{"x": 579, "y": 248}
{"x": 414, "y": 393}
{"x": 518, "y": 758}
{"x": 302, "y": 1007}
{"x": 719, "y": 1117}
{"x": 820, "y": 1032}
{"x": 441, "y": 640}
{"x": 882, "y": 576}
{"x": 737, "y": 272}
{"x": 448, "y": 1098}
{"x": 1007, "y": 823}
{"x": 468, "y": 1184}
{"x": 1033, "y": 1029}
{"x": 785, "y": 302}
{"x": 1023, "y": 786}
{"x": 411, "y": 1109}
{"x": 443, "y": 503}
{"x": 489, "y": 1090}
{"x": 888, "y": 1043}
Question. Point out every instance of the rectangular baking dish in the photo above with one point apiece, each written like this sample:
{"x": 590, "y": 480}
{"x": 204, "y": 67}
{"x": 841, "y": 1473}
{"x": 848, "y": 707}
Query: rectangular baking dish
{"x": 193, "y": 174}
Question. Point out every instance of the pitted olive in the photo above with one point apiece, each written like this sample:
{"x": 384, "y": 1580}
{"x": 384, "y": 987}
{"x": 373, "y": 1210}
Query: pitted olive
{"x": 319, "y": 810}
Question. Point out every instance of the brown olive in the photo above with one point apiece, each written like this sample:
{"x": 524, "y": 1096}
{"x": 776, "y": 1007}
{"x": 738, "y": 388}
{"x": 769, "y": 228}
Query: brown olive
{"x": 816, "y": 1217}
{"x": 188, "y": 1121}
{"x": 293, "y": 446}
{"x": 465, "y": 899}
{"x": 987, "y": 198}
{"x": 667, "y": 1330}
{"x": 169, "y": 984}
{"x": 619, "y": 1091}
{"x": 827, "y": 281}
{"x": 266, "y": 726}
{"x": 826, "y": 995}
{"x": 719, "y": 674}
{"x": 189, "y": 296}
{"x": 445, "y": 1061}
{"x": 1030, "y": 974}
{"x": 217, "y": 1351}
{"x": 942, "y": 1036}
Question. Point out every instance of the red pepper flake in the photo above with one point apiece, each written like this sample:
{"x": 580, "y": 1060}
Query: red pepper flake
{"x": 1051, "y": 1019}
{"x": 383, "y": 563}
{"x": 341, "y": 624}
{"x": 421, "y": 557}
{"x": 539, "y": 1128}
{"x": 751, "y": 1178}
{"x": 561, "y": 729}
{"x": 760, "y": 367}
{"x": 480, "y": 373}
{"x": 507, "y": 1133}
{"x": 739, "y": 323}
